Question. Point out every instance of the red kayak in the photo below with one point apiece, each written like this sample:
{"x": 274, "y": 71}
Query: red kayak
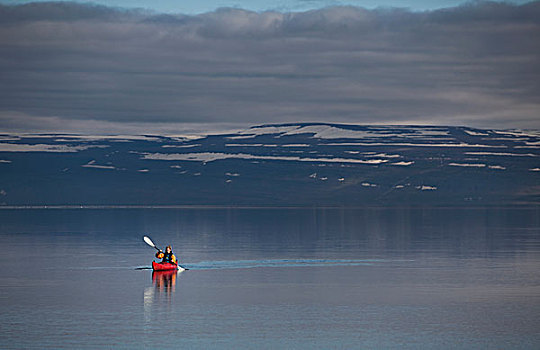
{"x": 164, "y": 266}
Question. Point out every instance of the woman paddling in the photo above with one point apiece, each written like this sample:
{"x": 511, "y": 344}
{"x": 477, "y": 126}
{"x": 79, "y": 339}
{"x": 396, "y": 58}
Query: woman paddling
{"x": 168, "y": 256}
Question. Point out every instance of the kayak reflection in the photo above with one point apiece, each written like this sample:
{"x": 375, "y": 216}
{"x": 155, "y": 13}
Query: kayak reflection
{"x": 160, "y": 294}
{"x": 164, "y": 281}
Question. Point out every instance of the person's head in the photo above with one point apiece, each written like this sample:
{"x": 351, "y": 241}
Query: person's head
{"x": 168, "y": 249}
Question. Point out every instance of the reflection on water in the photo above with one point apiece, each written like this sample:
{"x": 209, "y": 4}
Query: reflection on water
{"x": 160, "y": 293}
{"x": 164, "y": 281}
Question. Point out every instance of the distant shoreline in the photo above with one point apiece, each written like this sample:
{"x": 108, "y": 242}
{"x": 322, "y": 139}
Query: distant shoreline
{"x": 188, "y": 206}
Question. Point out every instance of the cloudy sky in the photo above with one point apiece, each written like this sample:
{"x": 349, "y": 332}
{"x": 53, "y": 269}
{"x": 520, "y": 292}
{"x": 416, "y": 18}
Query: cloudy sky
{"x": 69, "y": 66}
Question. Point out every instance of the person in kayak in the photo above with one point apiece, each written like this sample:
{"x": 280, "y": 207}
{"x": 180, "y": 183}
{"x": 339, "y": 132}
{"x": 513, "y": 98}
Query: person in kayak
{"x": 168, "y": 256}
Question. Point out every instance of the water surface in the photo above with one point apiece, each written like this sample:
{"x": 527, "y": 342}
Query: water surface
{"x": 272, "y": 278}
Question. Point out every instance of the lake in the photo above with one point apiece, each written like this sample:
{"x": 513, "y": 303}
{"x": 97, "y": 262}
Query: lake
{"x": 369, "y": 278}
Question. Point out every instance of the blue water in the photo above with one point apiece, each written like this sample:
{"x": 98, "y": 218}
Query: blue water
{"x": 271, "y": 279}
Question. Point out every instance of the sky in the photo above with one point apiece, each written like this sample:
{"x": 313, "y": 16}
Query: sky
{"x": 169, "y": 68}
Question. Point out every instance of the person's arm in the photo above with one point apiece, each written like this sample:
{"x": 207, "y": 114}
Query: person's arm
{"x": 173, "y": 259}
{"x": 160, "y": 255}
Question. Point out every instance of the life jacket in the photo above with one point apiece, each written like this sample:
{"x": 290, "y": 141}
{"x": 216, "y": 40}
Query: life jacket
{"x": 169, "y": 258}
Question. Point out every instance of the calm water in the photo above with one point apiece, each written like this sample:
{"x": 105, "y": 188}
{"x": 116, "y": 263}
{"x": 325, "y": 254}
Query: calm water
{"x": 272, "y": 279}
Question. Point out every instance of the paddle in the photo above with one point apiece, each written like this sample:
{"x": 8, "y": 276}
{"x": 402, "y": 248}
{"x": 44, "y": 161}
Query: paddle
{"x": 148, "y": 241}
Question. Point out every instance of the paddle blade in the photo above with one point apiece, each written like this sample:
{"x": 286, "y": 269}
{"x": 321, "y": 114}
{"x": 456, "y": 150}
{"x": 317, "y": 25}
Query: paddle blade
{"x": 148, "y": 241}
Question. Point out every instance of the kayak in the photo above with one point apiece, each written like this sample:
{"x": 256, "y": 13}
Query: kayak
{"x": 165, "y": 266}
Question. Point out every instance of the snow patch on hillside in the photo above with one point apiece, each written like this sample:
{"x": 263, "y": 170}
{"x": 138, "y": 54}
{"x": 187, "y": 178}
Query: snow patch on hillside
{"x": 519, "y": 133}
{"x": 381, "y": 155}
{"x": 251, "y": 145}
{"x": 92, "y": 164}
{"x": 468, "y": 165}
{"x": 426, "y": 188}
{"x": 265, "y": 130}
{"x": 213, "y": 156}
{"x": 502, "y": 154}
{"x": 408, "y": 144}
{"x": 403, "y": 163}
{"x": 324, "y": 131}
{"x": 181, "y": 146}
{"x": 112, "y": 138}
{"x": 240, "y": 137}
{"x": 475, "y": 133}
{"x": 20, "y": 147}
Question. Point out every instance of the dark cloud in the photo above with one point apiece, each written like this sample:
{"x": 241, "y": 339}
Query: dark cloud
{"x": 63, "y": 11}
{"x": 478, "y": 64}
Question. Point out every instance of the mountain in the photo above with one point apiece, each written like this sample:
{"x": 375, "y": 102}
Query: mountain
{"x": 303, "y": 164}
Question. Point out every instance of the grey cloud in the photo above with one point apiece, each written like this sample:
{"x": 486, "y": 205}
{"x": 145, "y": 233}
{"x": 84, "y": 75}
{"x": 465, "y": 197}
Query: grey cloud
{"x": 478, "y": 64}
{"x": 63, "y": 11}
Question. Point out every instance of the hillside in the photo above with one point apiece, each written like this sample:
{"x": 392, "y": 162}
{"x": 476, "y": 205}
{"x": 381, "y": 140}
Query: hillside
{"x": 307, "y": 164}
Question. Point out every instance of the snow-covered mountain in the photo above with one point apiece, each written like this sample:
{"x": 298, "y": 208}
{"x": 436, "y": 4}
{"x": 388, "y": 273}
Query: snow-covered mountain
{"x": 287, "y": 164}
